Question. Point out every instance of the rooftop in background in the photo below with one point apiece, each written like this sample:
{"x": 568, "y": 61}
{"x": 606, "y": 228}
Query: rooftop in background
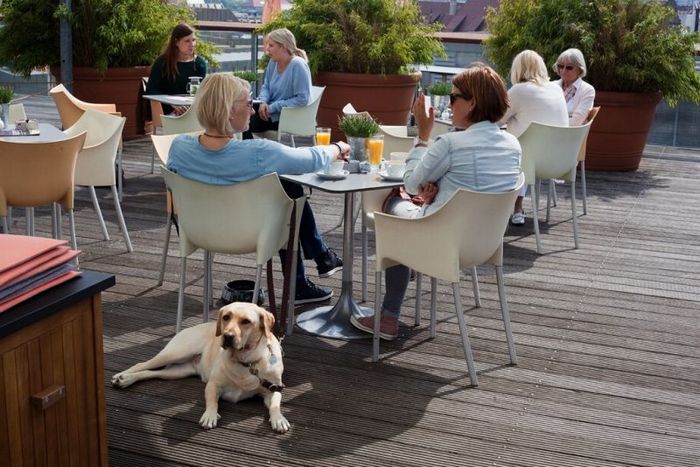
{"x": 469, "y": 16}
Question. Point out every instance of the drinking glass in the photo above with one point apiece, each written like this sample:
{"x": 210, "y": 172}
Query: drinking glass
{"x": 323, "y": 135}
{"x": 376, "y": 148}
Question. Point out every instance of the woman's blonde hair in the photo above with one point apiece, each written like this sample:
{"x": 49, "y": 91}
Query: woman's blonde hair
{"x": 215, "y": 99}
{"x": 286, "y": 39}
{"x": 528, "y": 66}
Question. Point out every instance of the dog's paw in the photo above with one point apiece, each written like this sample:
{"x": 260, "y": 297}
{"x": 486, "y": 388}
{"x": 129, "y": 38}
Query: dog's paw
{"x": 279, "y": 423}
{"x": 209, "y": 419}
{"x": 122, "y": 380}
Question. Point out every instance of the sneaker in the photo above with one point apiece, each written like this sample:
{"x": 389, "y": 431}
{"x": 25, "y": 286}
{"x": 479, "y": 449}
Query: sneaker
{"x": 518, "y": 218}
{"x": 308, "y": 292}
{"x": 388, "y": 326}
{"x": 328, "y": 263}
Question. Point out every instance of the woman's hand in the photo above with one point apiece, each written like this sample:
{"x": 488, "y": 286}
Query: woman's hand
{"x": 344, "y": 150}
{"x": 264, "y": 111}
{"x": 424, "y": 122}
{"x": 428, "y": 192}
{"x": 179, "y": 109}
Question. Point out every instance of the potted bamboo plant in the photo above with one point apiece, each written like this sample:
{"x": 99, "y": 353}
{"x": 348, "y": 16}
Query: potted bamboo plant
{"x": 634, "y": 57}
{"x": 362, "y": 52}
{"x": 114, "y": 44}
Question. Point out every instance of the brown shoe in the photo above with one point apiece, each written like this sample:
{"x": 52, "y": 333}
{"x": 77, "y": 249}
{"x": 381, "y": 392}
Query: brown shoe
{"x": 388, "y": 326}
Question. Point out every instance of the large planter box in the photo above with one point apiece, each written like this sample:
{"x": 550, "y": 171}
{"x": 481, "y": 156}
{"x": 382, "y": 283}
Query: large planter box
{"x": 619, "y": 132}
{"x": 387, "y": 98}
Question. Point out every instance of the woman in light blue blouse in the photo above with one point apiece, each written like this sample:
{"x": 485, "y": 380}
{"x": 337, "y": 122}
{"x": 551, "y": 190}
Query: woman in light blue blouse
{"x": 224, "y": 107}
{"x": 482, "y": 157}
{"x": 287, "y": 81}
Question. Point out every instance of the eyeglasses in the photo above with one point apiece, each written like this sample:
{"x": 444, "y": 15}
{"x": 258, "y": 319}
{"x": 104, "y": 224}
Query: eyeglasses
{"x": 249, "y": 103}
{"x": 567, "y": 67}
{"x": 454, "y": 96}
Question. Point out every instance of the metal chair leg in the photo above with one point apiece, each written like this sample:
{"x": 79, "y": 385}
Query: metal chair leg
{"x": 120, "y": 216}
{"x": 475, "y": 287}
{"x": 181, "y": 293}
{"x": 166, "y": 246}
{"x": 419, "y": 292}
{"x": 100, "y": 218}
{"x": 377, "y": 315}
{"x": 433, "y": 307}
{"x": 465, "y": 336}
{"x": 506, "y": 315}
{"x": 535, "y": 220}
{"x": 583, "y": 187}
{"x": 573, "y": 212}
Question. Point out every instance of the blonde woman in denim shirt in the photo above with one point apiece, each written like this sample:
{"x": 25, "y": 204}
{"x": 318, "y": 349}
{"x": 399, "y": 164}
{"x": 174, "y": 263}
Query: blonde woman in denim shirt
{"x": 482, "y": 157}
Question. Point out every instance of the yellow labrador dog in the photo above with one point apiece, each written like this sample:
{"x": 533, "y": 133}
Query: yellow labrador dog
{"x": 237, "y": 357}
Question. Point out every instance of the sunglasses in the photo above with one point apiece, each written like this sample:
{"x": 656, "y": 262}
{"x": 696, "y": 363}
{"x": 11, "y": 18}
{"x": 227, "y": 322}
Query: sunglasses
{"x": 454, "y": 96}
{"x": 567, "y": 67}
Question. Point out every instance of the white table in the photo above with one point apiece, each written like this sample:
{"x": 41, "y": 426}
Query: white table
{"x": 176, "y": 100}
{"x": 334, "y": 321}
{"x": 47, "y": 134}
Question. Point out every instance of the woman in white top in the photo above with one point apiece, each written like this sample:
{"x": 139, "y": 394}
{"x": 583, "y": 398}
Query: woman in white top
{"x": 533, "y": 98}
{"x": 579, "y": 95}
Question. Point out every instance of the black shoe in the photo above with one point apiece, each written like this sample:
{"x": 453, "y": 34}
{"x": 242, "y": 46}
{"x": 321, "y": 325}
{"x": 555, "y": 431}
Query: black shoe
{"x": 308, "y": 292}
{"x": 328, "y": 263}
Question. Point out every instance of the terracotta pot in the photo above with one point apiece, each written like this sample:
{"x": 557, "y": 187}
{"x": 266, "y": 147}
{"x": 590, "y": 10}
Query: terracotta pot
{"x": 387, "y": 98}
{"x": 121, "y": 86}
{"x": 619, "y": 132}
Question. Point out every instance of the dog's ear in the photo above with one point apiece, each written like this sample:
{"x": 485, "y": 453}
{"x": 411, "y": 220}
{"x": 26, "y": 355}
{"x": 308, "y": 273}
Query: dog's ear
{"x": 267, "y": 321}
{"x": 219, "y": 329}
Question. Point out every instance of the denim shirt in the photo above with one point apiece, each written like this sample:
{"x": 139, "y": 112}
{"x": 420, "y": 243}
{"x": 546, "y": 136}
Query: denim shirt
{"x": 481, "y": 158}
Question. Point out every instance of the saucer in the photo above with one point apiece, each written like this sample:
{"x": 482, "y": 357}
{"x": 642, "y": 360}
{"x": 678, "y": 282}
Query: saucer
{"x": 339, "y": 176}
{"x": 388, "y": 178}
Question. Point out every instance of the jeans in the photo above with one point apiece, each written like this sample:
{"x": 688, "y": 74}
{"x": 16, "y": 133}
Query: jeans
{"x": 311, "y": 242}
{"x": 258, "y": 125}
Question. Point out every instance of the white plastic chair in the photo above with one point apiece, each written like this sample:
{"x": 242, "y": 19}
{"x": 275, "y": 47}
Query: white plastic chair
{"x": 395, "y": 139}
{"x": 551, "y": 152}
{"x": 464, "y": 233}
{"x": 248, "y": 217}
{"x": 70, "y": 108}
{"x": 36, "y": 174}
{"x": 439, "y": 128}
{"x": 298, "y": 121}
{"x": 16, "y": 113}
{"x": 185, "y": 123}
{"x": 95, "y": 166}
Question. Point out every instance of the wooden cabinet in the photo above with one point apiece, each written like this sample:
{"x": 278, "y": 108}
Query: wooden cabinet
{"x": 52, "y": 409}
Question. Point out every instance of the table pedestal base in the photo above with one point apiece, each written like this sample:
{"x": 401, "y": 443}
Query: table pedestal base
{"x": 334, "y": 321}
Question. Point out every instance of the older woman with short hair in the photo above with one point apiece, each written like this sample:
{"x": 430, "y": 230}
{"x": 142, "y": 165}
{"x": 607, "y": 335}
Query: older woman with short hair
{"x": 481, "y": 158}
{"x": 533, "y": 98}
{"x": 579, "y": 95}
{"x": 223, "y": 107}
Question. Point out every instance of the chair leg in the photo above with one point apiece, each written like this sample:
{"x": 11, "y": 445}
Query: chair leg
{"x": 5, "y": 227}
{"x": 120, "y": 216}
{"x": 54, "y": 221}
{"x": 153, "y": 157}
{"x": 573, "y": 212}
{"x": 550, "y": 194}
{"x": 475, "y": 287}
{"x": 258, "y": 281}
{"x": 120, "y": 179}
{"x": 506, "y": 315}
{"x": 206, "y": 286}
{"x": 433, "y": 307}
{"x": 583, "y": 187}
{"x": 181, "y": 293}
{"x": 73, "y": 239}
{"x": 211, "y": 280}
{"x": 166, "y": 246}
{"x": 31, "y": 221}
{"x": 9, "y": 218}
{"x": 293, "y": 143}
{"x": 465, "y": 336}
{"x": 535, "y": 220}
{"x": 377, "y": 315}
{"x": 555, "y": 198}
{"x": 101, "y": 219}
{"x": 292, "y": 294}
{"x": 59, "y": 222}
{"x": 419, "y": 292}
{"x": 363, "y": 239}
{"x": 27, "y": 222}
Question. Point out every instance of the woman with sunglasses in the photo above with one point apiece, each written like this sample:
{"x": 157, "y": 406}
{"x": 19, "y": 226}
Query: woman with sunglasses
{"x": 579, "y": 95}
{"x": 224, "y": 107}
{"x": 287, "y": 81}
{"x": 480, "y": 157}
{"x": 533, "y": 98}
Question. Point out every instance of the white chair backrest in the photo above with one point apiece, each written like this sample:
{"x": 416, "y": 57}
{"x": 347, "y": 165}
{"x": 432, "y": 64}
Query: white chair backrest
{"x": 373, "y": 200}
{"x": 185, "y": 123}
{"x": 589, "y": 119}
{"x": 70, "y": 108}
{"x": 395, "y": 139}
{"x": 161, "y": 144}
{"x": 241, "y": 218}
{"x": 301, "y": 121}
{"x": 469, "y": 230}
{"x": 551, "y": 151}
{"x": 439, "y": 128}
{"x": 349, "y": 109}
{"x": 16, "y": 113}
{"x": 96, "y": 160}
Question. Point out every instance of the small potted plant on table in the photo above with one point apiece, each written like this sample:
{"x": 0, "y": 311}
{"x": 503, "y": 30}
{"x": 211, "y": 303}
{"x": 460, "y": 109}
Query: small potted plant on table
{"x": 358, "y": 128}
{"x": 6, "y": 95}
{"x": 439, "y": 91}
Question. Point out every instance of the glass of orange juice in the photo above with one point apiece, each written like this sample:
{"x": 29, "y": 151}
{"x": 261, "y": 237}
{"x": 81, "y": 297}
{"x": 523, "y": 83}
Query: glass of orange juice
{"x": 323, "y": 135}
{"x": 376, "y": 148}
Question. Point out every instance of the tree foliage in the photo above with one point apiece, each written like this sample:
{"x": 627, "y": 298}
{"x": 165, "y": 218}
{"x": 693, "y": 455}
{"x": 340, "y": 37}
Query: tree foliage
{"x": 360, "y": 36}
{"x": 629, "y": 45}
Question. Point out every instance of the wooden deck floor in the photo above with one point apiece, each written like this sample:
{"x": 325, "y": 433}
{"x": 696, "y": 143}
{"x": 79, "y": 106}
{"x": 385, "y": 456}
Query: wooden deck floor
{"x": 608, "y": 339}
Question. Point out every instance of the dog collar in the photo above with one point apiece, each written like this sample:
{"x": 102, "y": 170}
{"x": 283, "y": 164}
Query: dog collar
{"x": 253, "y": 369}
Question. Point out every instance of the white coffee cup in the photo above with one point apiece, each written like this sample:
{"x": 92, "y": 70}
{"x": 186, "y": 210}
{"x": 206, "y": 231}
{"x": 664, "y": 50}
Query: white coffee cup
{"x": 398, "y": 156}
{"x": 395, "y": 168}
{"x": 335, "y": 168}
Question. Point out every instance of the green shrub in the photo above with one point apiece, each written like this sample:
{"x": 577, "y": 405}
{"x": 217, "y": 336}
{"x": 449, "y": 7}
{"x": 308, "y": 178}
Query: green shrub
{"x": 359, "y": 125}
{"x": 247, "y": 75}
{"x": 6, "y": 94}
{"x": 629, "y": 45}
{"x": 440, "y": 88}
{"x": 360, "y": 36}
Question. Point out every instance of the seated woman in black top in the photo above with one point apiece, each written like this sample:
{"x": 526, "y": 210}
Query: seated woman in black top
{"x": 171, "y": 71}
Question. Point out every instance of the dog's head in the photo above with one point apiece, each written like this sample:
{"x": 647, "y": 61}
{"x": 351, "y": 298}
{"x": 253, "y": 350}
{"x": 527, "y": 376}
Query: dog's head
{"x": 243, "y": 324}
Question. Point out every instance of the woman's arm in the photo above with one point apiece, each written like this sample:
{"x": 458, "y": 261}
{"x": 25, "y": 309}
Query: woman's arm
{"x": 584, "y": 104}
{"x": 155, "y": 78}
{"x": 427, "y": 165}
{"x": 513, "y": 105}
{"x": 264, "y": 94}
{"x": 299, "y": 79}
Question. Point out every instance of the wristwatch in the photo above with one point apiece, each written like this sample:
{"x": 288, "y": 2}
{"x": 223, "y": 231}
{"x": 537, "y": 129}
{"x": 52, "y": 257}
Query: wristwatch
{"x": 419, "y": 142}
